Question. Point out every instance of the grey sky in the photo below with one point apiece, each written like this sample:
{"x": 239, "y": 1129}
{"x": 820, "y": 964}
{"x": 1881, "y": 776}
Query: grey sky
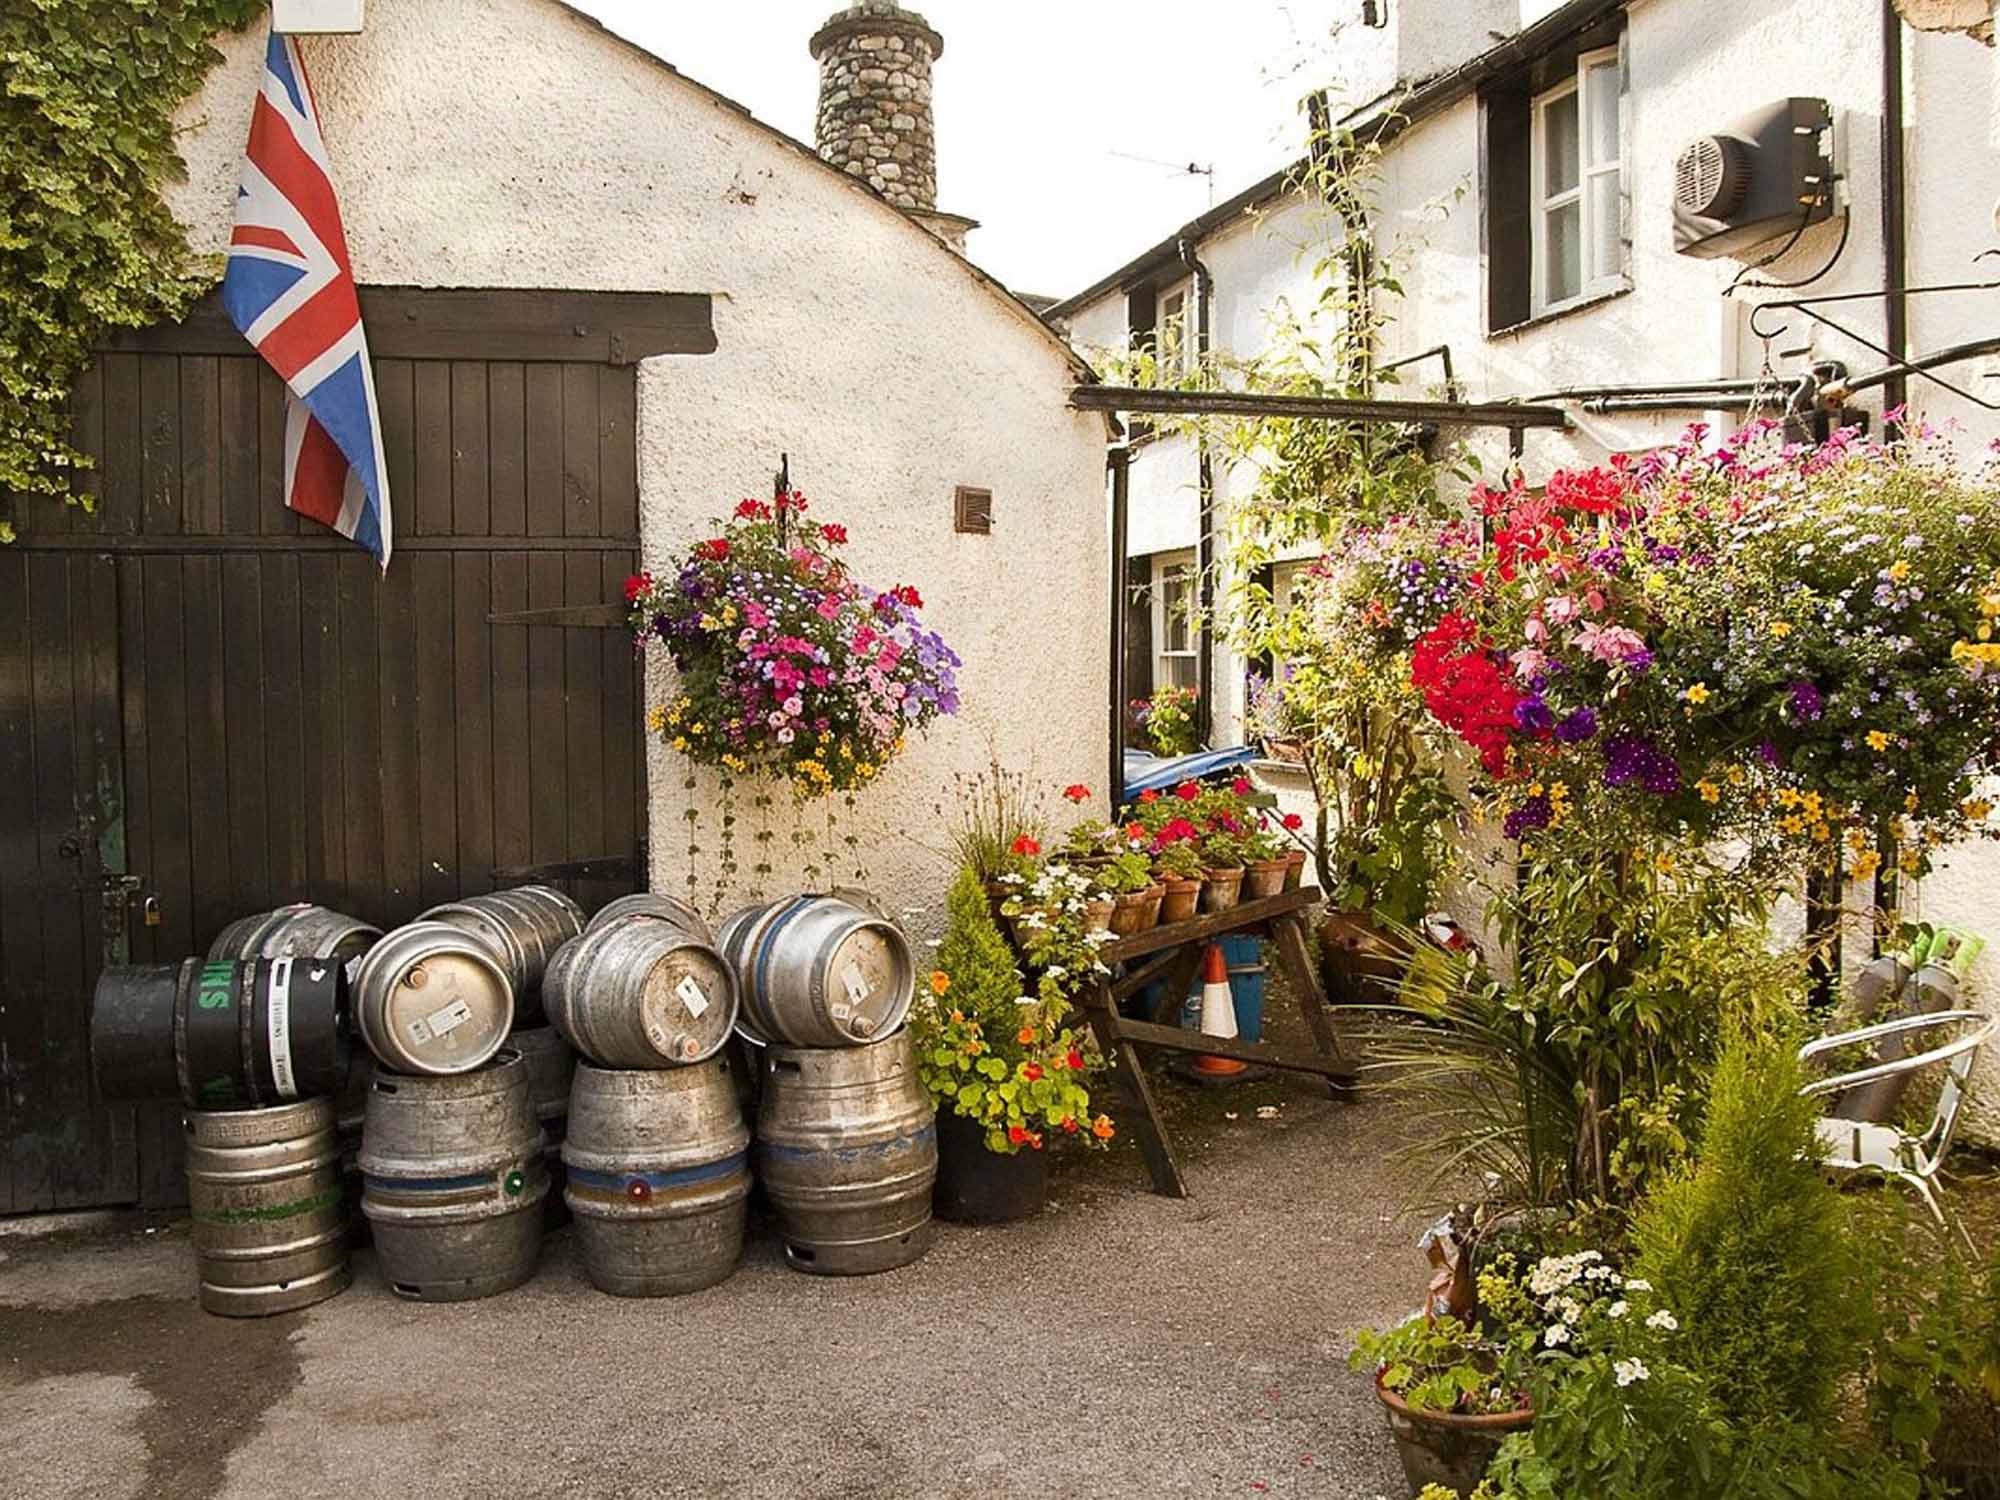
{"x": 1033, "y": 100}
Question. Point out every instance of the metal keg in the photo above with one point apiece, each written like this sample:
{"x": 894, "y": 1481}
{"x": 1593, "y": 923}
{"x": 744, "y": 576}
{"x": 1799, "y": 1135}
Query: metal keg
{"x": 453, "y": 1180}
{"x": 551, "y": 1068}
{"x": 270, "y": 1234}
{"x": 431, "y": 998}
{"x": 523, "y": 926}
{"x": 658, "y": 905}
{"x": 817, "y": 971}
{"x": 659, "y": 1177}
{"x": 641, "y": 993}
{"x": 301, "y": 930}
{"x": 847, "y": 1153}
{"x": 220, "y": 1034}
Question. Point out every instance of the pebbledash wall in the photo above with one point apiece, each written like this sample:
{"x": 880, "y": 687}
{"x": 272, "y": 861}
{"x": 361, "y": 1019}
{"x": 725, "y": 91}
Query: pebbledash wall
{"x": 1693, "y": 67}
{"x": 515, "y": 143}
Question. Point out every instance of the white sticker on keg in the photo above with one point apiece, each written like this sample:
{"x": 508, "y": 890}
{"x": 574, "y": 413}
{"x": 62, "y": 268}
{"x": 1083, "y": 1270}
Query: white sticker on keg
{"x": 693, "y": 996}
{"x": 278, "y": 1023}
{"x": 442, "y": 1022}
{"x": 857, "y": 985}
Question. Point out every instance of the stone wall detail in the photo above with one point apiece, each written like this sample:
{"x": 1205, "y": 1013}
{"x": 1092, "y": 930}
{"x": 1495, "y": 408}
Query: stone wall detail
{"x": 875, "y": 100}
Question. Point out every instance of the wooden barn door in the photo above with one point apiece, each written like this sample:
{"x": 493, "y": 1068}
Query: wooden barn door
{"x": 208, "y": 707}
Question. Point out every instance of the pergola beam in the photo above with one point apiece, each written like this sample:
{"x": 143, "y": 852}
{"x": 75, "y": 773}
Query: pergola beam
{"x": 1505, "y": 414}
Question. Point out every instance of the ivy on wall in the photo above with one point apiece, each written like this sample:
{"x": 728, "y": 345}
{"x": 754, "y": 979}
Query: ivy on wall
{"x": 88, "y": 90}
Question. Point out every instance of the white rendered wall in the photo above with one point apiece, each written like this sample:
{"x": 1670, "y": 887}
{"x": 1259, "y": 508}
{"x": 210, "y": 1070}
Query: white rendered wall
{"x": 512, "y": 143}
{"x": 1695, "y": 67}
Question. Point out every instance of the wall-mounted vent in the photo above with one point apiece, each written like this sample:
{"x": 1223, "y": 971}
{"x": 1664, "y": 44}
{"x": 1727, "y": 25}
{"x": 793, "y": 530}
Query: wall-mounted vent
{"x": 972, "y": 510}
{"x": 1765, "y": 176}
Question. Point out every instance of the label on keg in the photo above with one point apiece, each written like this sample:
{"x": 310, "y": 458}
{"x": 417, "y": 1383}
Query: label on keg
{"x": 857, "y": 985}
{"x": 279, "y": 1026}
{"x": 693, "y": 996}
{"x": 444, "y": 1021}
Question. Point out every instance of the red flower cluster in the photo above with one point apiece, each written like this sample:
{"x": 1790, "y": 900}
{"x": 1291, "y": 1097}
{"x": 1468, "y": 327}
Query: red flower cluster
{"x": 1188, "y": 791}
{"x": 834, "y": 533}
{"x": 1293, "y": 822}
{"x": 1076, "y": 791}
{"x": 1466, "y": 688}
{"x": 636, "y": 585}
{"x": 1176, "y": 830}
{"x": 1596, "y": 492}
{"x": 1149, "y": 795}
{"x": 792, "y": 501}
{"x": 1027, "y": 845}
{"x": 753, "y": 510}
{"x": 716, "y": 548}
{"x": 1240, "y": 786}
{"x": 903, "y": 592}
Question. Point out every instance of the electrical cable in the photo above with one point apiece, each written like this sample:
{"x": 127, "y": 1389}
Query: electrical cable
{"x": 1822, "y": 200}
{"x": 1846, "y": 223}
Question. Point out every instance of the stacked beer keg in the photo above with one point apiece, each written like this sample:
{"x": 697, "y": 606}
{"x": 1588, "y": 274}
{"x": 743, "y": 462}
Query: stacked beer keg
{"x": 253, "y": 1041}
{"x": 846, "y": 1140}
{"x": 453, "y": 1158}
{"x": 657, "y": 1156}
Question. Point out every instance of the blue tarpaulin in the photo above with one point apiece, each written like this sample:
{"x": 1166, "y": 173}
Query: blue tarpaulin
{"x": 1150, "y": 773}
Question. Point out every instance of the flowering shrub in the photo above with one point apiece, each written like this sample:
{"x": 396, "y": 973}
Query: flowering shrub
{"x": 1167, "y": 720}
{"x": 787, "y": 665}
{"x": 1790, "y": 646}
{"x": 1008, "y": 1062}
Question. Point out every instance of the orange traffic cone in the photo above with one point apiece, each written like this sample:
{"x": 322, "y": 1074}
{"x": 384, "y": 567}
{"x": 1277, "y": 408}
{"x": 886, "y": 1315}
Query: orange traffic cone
{"x": 1218, "y": 1014}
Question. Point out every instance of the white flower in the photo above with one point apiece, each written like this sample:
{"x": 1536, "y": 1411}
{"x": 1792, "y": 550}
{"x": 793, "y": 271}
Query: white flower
{"x": 1663, "y": 1320}
{"x": 1055, "y": 971}
{"x": 1026, "y": 1000}
{"x": 1629, "y": 1370}
{"x": 1617, "y": 1309}
{"x": 1570, "y": 1308}
{"x": 1638, "y": 1284}
{"x": 1558, "y": 1334}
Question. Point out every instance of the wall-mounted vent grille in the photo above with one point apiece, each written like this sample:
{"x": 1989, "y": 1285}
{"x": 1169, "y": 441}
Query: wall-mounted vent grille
{"x": 972, "y": 511}
{"x": 1711, "y": 177}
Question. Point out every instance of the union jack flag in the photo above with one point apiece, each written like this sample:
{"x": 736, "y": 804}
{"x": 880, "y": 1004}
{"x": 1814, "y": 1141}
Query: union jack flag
{"x": 290, "y": 290}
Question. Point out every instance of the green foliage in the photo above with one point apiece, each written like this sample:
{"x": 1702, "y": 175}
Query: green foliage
{"x": 1750, "y": 1248}
{"x": 1440, "y": 1366}
{"x": 1180, "y": 858}
{"x": 88, "y": 90}
{"x": 990, "y": 813}
{"x": 1123, "y": 873}
{"x": 1167, "y": 720}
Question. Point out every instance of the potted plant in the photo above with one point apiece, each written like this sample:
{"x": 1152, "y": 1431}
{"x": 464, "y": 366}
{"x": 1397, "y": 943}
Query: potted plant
{"x": 1295, "y": 852}
{"x": 1004, "y": 1075}
{"x": 1178, "y": 866}
{"x": 1166, "y": 720}
{"x": 1127, "y": 877}
{"x": 1222, "y": 869}
{"x": 1264, "y": 861}
{"x": 998, "y": 819}
{"x": 1451, "y": 1396}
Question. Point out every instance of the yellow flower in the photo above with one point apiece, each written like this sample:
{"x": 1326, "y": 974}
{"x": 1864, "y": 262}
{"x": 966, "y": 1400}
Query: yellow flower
{"x": 1793, "y": 824}
{"x": 1655, "y": 582}
{"x": 1698, "y": 693}
{"x": 1781, "y": 628}
{"x": 729, "y": 614}
{"x": 1363, "y": 767}
{"x": 696, "y": 728}
{"x": 1877, "y": 740}
{"x": 1664, "y": 863}
{"x": 1976, "y": 808}
{"x": 1710, "y": 792}
{"x": 1821, "y": 832}
{"x": 1810, "y": 804}
{"x": 656, "y": 718}
{"x": 1899, "y": 569}
{"x": 679, "y": 742}
{"x": 940, "y": 981}
{"x": 1788, "y": 797}
{"x": 1910, "y": 861}
{"x": 1910, "y": 801}
{"x": 1866, "y": 864}
{"x": 1737, "y": 775}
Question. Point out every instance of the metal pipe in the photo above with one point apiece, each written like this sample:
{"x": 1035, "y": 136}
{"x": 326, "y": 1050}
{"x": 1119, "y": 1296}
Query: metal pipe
{"x": 1949, "y": 355}
{"x": 1895, "y": 257}
{"x": 1440, "y": 352}
{"x": 1253, "y": 404}
{"x": 1604, "y": 405}
{"x": 1119, "y": 461}
{"x": 1204, "y": 665}
{"x": 1718, "y": 386}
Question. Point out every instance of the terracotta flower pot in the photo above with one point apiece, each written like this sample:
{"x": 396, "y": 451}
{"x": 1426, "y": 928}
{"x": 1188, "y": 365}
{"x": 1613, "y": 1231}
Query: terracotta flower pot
{"x": 1295, "y": 869}
{"x": 977, "y": 1186}
{"x": 1265, "y": 877}
{"x": 1156, "y": 896}
{"x": 1443, "y": 1448}
{"x": 1223, "y": 890}
{"x": 1129, "y": 912}
{"x": 1183, "y": 896}
{"x": 1097, "y": 914}
{"x": 1361, "y": 964}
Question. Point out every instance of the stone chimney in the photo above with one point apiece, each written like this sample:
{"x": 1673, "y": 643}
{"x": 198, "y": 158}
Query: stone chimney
{"x": 875, "y": 108}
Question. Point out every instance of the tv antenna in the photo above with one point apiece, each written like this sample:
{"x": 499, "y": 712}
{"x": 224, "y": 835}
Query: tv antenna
{"x": 1179, "y": 168}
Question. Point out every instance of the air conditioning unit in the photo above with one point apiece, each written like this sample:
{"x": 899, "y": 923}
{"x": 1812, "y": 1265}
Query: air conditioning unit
{"x": 304, "y": 16}
{"x": 1761, "y": 178}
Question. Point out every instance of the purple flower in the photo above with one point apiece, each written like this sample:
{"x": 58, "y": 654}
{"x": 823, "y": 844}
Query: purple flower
{"x": 1533, "y": 715}
{"x": 1536, "y": 812}
{"x": 1577, "y": 727}
{"x": 1807, "y": 703}
{"x": 1768, "y": 753}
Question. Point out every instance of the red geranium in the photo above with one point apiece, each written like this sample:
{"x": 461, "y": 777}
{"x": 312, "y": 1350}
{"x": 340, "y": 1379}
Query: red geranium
{"x": 636, "y": 585}
{"x": 1017, "y": 1135}
{"x": 1176, "y": 830}
{"x": 1149, "y": 795}
{"x": 1077, "y": 792}
{"x": 908, "y": 595}
{"x": 834, "y": 533}
{"x": 1292, "y": 821}
{"x": 1466, "y": 688}
{"x": 1240, "y": 786}
{"x": 1075, "y": 1058}
{"x": 1032, "y": 1072}
{"x": 715, "y": 548}
{"x": 1069, "y": 1124}
{"x": 752, "y": 510}
{"x": 1026, "y": 845}
{"x": 1187, "y": 791}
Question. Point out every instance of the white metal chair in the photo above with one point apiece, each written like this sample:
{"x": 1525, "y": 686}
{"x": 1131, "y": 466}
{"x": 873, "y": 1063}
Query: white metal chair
{"x": 1862, "y": 1146}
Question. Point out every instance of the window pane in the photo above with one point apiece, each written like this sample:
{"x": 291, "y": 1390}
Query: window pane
{"x": 1563, "y": 257}
{"x": 1606, "y": 254}
{"x": 1559, "y": 143}
{"x": 1601, "y": 92}
{"x": 1177, "y": 671}
{"x": 1174, "y": 596}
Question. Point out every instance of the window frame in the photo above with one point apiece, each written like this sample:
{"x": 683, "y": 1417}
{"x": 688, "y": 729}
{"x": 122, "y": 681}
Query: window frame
{"x": 1165, "y": 563}
{"x": 1542, "y": 203}
{"x": 1174, "y": 334}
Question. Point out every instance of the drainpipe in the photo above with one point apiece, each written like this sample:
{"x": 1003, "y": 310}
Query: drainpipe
{"x": 1204, "y": 292}
{"x": 1895, "y": 238}
{"x": 1119, "y": 461}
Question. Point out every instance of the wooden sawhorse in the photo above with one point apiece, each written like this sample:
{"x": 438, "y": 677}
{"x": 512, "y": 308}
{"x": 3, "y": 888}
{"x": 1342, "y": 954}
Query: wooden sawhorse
{"x": 1174, "y": 954}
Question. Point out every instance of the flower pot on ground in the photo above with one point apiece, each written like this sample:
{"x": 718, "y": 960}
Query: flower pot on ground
{"x": 1447, "y": 1448}
{"x": 1361, "y": 962}
{"x": 979, "y": 1186}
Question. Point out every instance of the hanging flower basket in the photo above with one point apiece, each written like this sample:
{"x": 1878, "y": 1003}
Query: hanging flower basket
{"x": 788, "y": 667}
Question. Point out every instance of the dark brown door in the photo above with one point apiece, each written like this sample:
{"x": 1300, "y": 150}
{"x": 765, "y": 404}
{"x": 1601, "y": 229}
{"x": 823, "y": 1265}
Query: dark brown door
{"x": 231, "y": 708}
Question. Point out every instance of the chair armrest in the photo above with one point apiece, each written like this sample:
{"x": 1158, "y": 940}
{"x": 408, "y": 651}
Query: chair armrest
{"x": 1911, "y": 1064}
{"x": 1890, "y": 1028}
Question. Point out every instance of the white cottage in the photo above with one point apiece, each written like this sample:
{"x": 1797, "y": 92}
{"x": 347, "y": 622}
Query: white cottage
{"x": 603, "y": 302}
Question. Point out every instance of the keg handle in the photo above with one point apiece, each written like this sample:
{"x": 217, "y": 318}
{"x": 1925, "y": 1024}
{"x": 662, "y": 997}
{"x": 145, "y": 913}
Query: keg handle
{"x": 784, "y": 1065}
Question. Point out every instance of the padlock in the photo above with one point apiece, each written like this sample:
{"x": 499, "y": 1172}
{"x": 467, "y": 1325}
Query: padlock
{"x": 150, "y": 907}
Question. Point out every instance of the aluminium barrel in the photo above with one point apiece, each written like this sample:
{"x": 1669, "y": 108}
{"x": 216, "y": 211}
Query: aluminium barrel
{"x": 659, "y": 1177}
{"x": 847, "y": 1152}
{"x": 301, "y": 930}
{"x": 431, "y": 998}
{"x": 264, "y": 1199}
{"x": 656, "y": 904}
{"x": 638, "y": 992}
{"x": 524, "y": 926}
{"x": 818, "y": 971}
{"x": 453, "y": 1179}
{"x": 551, "y": 1071}
{"x": 221, "y": 1033}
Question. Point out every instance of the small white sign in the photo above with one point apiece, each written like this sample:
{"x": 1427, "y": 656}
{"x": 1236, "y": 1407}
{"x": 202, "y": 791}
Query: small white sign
{"x": 343, "y": 16}
{"x": 856, "y": 984}
{"x": 693, "y": 996}
{"x": 447, "y": 1020}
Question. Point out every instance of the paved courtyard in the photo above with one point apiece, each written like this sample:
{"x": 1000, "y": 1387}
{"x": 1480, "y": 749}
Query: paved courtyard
{"x": 1119, "y": 1345}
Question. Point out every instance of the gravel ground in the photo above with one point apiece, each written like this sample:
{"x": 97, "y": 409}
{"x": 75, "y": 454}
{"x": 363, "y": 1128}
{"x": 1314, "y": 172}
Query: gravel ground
{"x": 1120, "y": 1344}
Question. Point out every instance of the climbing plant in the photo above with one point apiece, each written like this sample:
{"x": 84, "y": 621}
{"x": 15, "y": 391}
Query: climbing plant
{"x": 88, "y": 91}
